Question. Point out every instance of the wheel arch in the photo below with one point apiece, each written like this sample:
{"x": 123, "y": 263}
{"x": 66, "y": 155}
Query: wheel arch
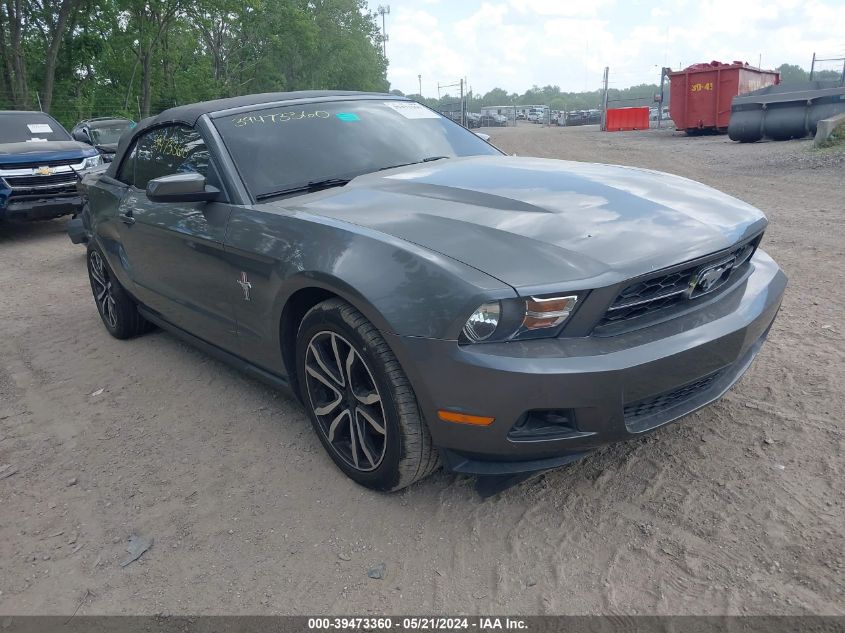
{"x": 306, "y": 292}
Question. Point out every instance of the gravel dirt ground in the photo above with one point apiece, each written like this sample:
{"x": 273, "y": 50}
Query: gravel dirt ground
{"x": 736, "y": 509}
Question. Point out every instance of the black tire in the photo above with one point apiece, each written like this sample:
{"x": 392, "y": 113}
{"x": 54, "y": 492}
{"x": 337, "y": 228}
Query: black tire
{"x": 85, "y": 214}
{"x": 330, "y": 332}
{"x": 116, "y": 308}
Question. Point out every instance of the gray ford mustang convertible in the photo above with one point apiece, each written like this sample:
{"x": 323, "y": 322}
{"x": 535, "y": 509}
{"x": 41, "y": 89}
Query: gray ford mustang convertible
{"x": 429, "y": 299}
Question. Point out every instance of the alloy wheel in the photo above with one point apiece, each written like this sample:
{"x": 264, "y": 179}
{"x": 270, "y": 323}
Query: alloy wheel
{"x": 346, "y": 401}
{"x": 102, "y": 286}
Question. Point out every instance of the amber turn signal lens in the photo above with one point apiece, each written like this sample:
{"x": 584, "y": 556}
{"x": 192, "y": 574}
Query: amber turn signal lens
{"x": 462, "y": 418}
{"x": 546, "y": 313}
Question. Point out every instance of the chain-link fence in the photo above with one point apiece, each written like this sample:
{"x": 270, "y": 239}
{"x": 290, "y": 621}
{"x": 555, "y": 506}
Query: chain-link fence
{"x": 70, "y": 111}
{"x": 455, "y": 110}
{"x": 497, "y": 116}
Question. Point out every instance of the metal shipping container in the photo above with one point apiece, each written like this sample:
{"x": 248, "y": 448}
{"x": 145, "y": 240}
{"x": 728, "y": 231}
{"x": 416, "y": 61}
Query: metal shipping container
{"x": 700, "y": 95}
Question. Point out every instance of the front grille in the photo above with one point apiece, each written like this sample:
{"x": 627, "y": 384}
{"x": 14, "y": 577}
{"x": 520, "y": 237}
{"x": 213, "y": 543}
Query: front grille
{"x": 647, "y": 296}
{"x": 640, "y": 409}
{"x": 40, "y": 194}
{"x": 52, "y": 163}
{"x": 20, "y": 184}
{"x": 664, "y": 290}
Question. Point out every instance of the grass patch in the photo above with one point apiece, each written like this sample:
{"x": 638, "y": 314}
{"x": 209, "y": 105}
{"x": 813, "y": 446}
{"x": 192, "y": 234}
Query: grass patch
{"x": 837, "y": 139}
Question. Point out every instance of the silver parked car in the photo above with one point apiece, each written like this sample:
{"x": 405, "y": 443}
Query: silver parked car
{"x": 427, "y": 298}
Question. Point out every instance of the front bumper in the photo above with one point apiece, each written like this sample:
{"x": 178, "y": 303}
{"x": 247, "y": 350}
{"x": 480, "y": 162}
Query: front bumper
{"x": 611, "y": 388}
{"x": 40, "y": 208}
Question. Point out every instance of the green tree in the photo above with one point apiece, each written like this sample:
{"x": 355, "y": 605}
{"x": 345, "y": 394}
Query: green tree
{"x": 496, "y": 96}
{"x": 14, "y": 20}
{"x": 137, "y": 57}
{"x": 790, "y": 73}
{"x": 52, "y": 18}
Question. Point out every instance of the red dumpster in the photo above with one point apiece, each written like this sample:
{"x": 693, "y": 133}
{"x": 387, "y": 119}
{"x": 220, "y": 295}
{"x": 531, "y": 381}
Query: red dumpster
{"x": 619, "y": 119}
{"x": 700, "y": 95}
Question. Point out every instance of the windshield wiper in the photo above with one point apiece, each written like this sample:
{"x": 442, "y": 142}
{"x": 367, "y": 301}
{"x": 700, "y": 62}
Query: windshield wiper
{"x": 311, "y": 185}
{"x": 317, "y": 185}
{"x": 415, "y": 162}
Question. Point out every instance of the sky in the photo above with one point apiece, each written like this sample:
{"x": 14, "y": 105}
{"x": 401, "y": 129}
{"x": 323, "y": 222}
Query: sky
{"x": 514, "y": 44}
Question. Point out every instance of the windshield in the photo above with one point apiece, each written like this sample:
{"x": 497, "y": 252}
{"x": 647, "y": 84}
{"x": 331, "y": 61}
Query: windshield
{"x": 284, "y": 147}
{"x": 30, "y": 127}
{"x": 107, "y": 133}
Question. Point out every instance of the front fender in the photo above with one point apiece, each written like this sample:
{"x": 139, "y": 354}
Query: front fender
{"x": 400, "y": 287}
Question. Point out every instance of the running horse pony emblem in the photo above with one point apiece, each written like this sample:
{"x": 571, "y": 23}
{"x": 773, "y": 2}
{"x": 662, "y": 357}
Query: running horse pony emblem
{"x": 245, "y": 285}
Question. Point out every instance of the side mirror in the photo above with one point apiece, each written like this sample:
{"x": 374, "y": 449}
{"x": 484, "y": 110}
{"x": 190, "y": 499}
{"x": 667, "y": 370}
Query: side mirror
{"x": 187, "y": 187}
{"x": 482, "y": 136}
{"x": 81, "y": 136}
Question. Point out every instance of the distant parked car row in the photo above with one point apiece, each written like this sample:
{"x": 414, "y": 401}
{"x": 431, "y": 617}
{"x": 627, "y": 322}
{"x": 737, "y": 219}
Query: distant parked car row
{"x": 41, "y": 164}
{"x": 654, "y": 111}
{"x": 475, "y": 119}
{"x": 538, "y": 115}
{"x": 533, "y": 115}
{"x": 583, "y": 117}
{"x": 494, "y": 120}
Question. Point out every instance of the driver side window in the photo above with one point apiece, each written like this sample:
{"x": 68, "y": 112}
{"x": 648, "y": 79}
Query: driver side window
{"x": 169, "y": 150}
{"x": 163, "y": 151}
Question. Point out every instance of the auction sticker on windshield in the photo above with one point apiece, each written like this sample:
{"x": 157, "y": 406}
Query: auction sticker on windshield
{"x": 39, "y": 128}
{"x": 411, "y": 110}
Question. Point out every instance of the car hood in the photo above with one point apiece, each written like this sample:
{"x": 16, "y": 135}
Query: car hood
{"x": 28, "y": 152}
{"x": 534, "y": 222}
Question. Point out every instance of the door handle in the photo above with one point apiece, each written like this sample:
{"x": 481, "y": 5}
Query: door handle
{"x": 127, "y": 219}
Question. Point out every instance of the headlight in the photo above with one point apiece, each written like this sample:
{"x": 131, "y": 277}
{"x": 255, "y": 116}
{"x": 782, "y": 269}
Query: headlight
{"x": 483, "y": 322}
{"x": 520, "y": 318}
{"x": 92, "y": 161}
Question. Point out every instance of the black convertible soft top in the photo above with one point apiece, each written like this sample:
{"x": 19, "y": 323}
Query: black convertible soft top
{"x": 188, "y": 114}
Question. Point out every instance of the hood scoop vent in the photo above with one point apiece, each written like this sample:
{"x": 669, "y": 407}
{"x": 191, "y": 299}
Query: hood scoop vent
{"x": 460, "y": 196}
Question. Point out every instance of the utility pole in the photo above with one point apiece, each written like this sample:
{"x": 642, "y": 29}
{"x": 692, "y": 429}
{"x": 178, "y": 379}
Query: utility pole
{"x": 663, "y": 72}
{"x": 383, "y": 9}
{"x": 463, "y": 106}
{"x": 827, "y": 59}
{"x": 420, "y": 78}
{"x": 604, "y": 100}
